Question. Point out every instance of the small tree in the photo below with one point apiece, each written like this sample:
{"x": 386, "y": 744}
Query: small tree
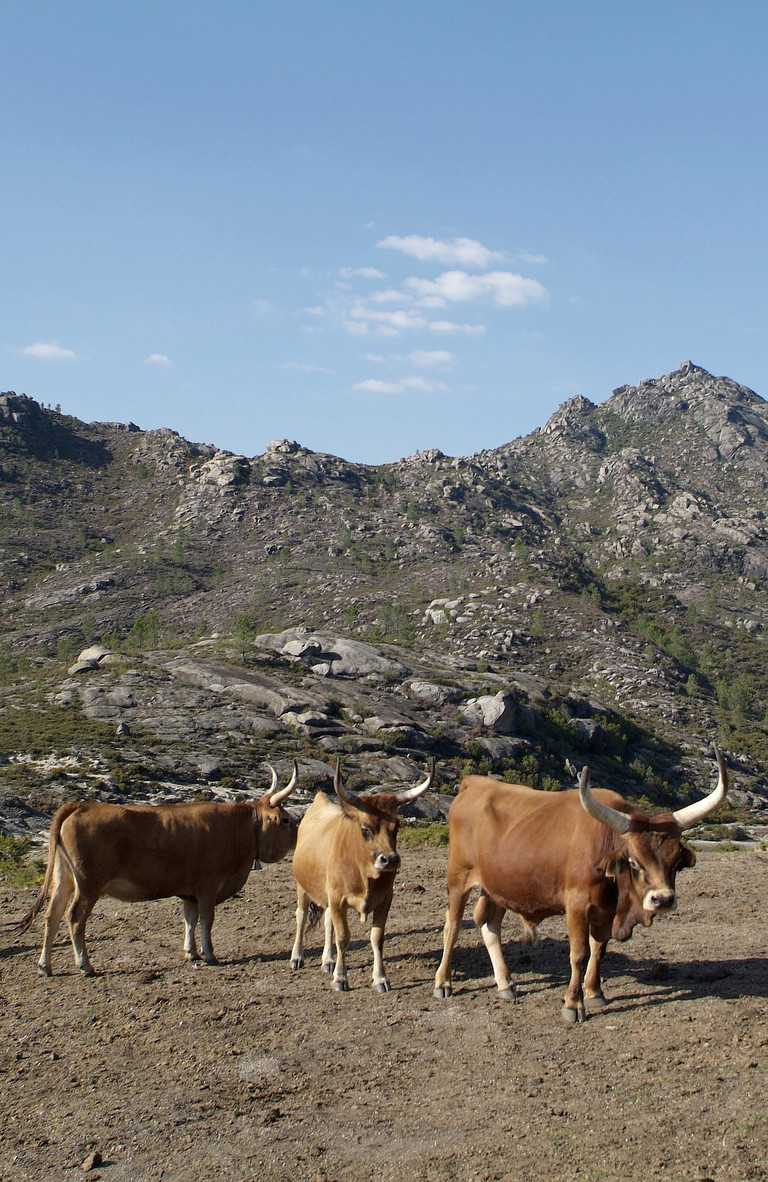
{"x": 243, "y": 633}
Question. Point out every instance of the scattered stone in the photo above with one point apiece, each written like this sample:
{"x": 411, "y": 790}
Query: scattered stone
{"x": 496, "y": 712}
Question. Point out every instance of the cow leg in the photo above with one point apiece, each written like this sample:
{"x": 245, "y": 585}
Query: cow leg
{"x": 578, "y": 935}
{"x": 491, "y": 932}
{"x": 77, "y": 917}
{"x": 594, "y": 998}
{"x": 63, "y": 889}
{"x": 302, "y": 911}
{"x": 191, "y": 915}
{"x": 341, "y": 935}
{"x": 329, "y": 960}
{"x": 457, "y": 902}
{"x": 380, "y": 981}
{"x": 206, "y": 906}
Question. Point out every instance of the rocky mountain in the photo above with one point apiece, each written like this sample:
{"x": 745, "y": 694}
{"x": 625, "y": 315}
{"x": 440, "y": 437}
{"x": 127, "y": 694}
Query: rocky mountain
{"x": 592, "y": 592}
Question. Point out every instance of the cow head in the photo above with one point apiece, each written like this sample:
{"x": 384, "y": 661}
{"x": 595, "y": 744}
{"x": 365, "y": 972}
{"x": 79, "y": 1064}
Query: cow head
{"x": 645, "y": 861}
{"x": 276, "y": 828}
{"x": 375, "y": 815}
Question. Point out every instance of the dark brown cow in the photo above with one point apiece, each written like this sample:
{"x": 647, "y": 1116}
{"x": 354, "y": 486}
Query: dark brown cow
{"x": 591, "y": 856}
{"x": 201, "y": 852}
{"x": 346, "y": 856}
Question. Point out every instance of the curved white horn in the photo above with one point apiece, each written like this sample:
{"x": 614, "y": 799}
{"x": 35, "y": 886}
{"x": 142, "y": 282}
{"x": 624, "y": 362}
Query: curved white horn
{"x": 406, "y": 794}
{"x": 619, "y": 822}
{"x": 691, "y": 814}
{"x": 277, "y": 797}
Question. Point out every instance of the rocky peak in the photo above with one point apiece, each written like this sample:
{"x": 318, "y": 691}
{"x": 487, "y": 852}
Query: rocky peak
{"x": 688, "y": 392}
{"x": 572, "y": 415}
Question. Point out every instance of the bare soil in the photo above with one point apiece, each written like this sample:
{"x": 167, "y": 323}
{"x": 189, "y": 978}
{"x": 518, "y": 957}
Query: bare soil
{"x": 246, "y": 1071}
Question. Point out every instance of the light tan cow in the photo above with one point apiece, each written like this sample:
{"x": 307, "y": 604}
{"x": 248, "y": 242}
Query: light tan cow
{"x": 346, "y": 856}
{"x": 201, "y": 852}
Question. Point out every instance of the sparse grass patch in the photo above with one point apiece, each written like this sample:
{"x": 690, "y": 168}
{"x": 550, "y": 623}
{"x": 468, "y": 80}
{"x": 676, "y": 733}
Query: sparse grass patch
{"x": 17, "y": 869}
{"x": 432, "y": 833}
{"x": 42, "y": 731}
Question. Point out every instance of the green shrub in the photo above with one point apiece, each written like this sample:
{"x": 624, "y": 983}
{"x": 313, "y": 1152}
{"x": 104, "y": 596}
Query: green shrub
{"x": 16, "y": 868}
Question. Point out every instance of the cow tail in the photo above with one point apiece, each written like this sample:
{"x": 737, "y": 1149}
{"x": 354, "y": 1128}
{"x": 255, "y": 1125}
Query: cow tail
{"x": 484, "y": 910}
{"x": 54, "y": 840}
{"x": 314, "y": 915}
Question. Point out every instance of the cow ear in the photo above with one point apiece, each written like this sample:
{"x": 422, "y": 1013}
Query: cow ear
{"x": 348, "y": 807}
{"x": 612, "y": 864}
{"x": 687, "y": 858}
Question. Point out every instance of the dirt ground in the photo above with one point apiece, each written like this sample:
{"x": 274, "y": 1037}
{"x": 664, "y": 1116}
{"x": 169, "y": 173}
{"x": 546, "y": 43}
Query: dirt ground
{"x": 247, "y": 1071}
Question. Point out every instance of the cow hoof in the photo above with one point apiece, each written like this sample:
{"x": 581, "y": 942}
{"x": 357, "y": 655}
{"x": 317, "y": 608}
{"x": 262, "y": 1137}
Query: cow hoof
{"x": 297, "y": 962}
{"x": 442, "y": 991}
{"x": 509, "y": 994}
{"x": 210, "y": 960}
{"x": 382, "y": 986}
{"x": 327, "y": 967}
{"x": 597, "y": 1002}
{"x": 88, "y": 970}
{"x": 572, "y": 1016}
{"x": 341, "y": 986}
{"x": 44, "y": 971}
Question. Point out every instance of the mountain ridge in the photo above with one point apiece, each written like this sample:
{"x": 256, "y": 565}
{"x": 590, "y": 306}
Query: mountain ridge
{"x": 605, "y": 572}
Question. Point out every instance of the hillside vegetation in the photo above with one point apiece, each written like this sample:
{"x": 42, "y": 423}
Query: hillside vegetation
{"x": 592, "y": 592}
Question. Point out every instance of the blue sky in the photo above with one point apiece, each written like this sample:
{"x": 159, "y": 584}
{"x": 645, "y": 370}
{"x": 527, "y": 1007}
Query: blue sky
{"x": 376, "y": 227}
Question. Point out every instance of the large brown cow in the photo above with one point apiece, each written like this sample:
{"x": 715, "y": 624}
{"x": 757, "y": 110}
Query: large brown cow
{"x": 592, "y": 856}
{"x": 346, "y": 856}
{"x": 201, "y": 852}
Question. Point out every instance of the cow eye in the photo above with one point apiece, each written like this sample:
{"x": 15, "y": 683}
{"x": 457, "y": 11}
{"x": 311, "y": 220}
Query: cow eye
{"x": 366, "y": 832}
{"x": 634, "y": 866}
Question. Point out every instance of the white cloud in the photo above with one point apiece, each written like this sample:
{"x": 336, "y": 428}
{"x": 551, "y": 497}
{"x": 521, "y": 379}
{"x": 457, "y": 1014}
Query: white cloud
{"x": 362, "y": 272}
{"x": 303, "y": 368}
{"x": 503, "y": 288}
{"x": 389, "y": 296}
{"x": 426, "y": 358}
{"x": 376, "y": 386}
{"x": 533, "y": 258}
{"x": 158, "y": 359}
{"x": 363, "y": 321}
{"x": 465, "y": 252}
{"x": 49, "y": 351}
{"x": 361, "y": 328}
{"x": 448, "y": 326}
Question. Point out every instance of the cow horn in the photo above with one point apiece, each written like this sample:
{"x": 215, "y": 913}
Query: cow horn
{"x": 619, "y": 822}
{"x": 406, "y": 794}
{"x": 278, "y": 797}
{"x": 691, "y": 814}
{"x": 341, "y": 792}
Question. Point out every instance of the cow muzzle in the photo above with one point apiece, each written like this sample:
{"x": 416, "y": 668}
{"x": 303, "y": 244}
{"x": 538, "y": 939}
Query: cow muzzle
{"x": 662, "y": 899}
{"x": 384, "y": 861}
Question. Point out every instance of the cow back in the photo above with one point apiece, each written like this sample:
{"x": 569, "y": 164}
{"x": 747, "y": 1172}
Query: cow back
{"x": 137, "y": 852}
{"x": 527, "y": 848}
